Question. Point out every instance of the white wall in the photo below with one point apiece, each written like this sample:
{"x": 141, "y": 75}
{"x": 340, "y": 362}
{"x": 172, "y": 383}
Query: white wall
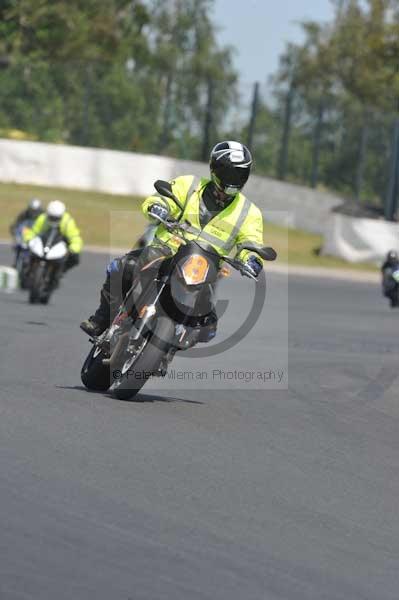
{"x": 131, "y": 173}
{"x": 360, "y": 240}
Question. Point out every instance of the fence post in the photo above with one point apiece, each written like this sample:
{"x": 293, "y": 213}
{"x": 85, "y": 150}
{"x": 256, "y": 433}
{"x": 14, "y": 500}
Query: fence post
{"x": 391, "y": 199}
{"x": 364, "y": 137}
{"x": 283, "y": 159}
{"x": 317, "y": 146}
{"x": 165, "y": 135}
{"x": 208, "y": 122}
{"x": 254, "y": 114}
{"x": 84, "y": 139}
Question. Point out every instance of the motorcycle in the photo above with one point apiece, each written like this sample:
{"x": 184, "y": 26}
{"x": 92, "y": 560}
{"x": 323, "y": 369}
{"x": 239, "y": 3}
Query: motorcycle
{"x": 162, "y": 318}
{"x": 21, "y": 253}
{"x": 48, "y": 253}
{"x": 391, "y": 286}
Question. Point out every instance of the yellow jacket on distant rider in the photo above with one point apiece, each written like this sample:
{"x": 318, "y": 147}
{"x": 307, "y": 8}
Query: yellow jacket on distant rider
{"x": 67, "y": 227}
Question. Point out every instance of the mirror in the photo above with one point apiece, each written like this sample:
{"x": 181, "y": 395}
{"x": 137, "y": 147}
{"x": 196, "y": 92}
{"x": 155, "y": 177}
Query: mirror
{"x": 164, "y": 189}
{"x": 266, "y": 253}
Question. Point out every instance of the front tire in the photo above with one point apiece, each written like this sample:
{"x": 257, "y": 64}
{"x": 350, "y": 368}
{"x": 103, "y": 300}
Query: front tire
{"x": 37, "y": 284}
{"x": 94, "y": 375}
{"x": 394, "y": 298}
{"x": 147, "y": 363}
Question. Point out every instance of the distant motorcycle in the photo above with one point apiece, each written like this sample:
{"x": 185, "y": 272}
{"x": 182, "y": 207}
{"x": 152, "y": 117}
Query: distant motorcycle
{"x": 391, "y": 286}
{"x": 146, "y": 333}
{"x": 47, "y": 255}
{"x": 22, "y": 253}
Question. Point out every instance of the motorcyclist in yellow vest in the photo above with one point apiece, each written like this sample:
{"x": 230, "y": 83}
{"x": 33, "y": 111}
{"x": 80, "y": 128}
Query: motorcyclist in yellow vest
{"x": 56, "y": 214}
{"x": 218, "y": 213}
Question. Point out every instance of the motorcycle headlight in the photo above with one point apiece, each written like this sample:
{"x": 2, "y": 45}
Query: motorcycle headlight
{"x": 195, "y": 269}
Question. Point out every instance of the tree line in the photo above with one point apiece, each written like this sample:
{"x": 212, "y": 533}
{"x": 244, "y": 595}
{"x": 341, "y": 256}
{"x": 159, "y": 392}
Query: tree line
{"x": 152, "y": 76}
{"x": 125, "y": 74}
{"x": 335, "y": 117}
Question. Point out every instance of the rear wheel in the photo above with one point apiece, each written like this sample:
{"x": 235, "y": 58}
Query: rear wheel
{"x": 19, "y": 261}
{"x": 23, "y": 279}
{"x": 23, "y": 274}
{"x": 23, "y": 267}
{"x": 134, "y": 376}
{"x": 94, "y": 374}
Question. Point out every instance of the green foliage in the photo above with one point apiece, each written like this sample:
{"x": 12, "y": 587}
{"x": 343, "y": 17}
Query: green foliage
{"x": 144, "y": 75}
{"x": 124, "y": 74}
{"x": 344, "y": 87}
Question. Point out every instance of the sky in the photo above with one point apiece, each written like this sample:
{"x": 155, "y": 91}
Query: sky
{"x": 259, "y": 30}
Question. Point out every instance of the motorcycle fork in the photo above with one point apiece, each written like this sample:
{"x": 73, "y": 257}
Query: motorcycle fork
{"x": 145, "y": 313}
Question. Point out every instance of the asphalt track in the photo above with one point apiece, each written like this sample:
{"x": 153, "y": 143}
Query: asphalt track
{"x": 237, "y": 494}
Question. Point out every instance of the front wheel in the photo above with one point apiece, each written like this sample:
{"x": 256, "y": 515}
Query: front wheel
{"x": 134, "y": 376}
{"x": 37, "y": 283}
{"x": 94, "y": 374}
{"x": 395, "y": 300}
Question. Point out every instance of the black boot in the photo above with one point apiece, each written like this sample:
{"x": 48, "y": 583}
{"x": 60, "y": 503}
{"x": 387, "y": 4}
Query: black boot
{"x": 105, "y": 313}
{"x": 92, "y": 327}
{"x": 208, "y": 328}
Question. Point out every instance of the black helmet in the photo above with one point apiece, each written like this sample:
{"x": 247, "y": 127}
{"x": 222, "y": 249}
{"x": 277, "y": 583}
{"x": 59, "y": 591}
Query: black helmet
{"x": 230, "y": 165}
{"x": 392, "y": 257}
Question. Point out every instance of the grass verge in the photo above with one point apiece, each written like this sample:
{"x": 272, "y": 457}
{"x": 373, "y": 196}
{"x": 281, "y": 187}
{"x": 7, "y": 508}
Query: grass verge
{"x": 117, "y": 221}
{"x": 96, "y": 214}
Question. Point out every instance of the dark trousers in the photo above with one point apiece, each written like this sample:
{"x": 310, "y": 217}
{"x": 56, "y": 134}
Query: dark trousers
{"x": 119, "y": 279}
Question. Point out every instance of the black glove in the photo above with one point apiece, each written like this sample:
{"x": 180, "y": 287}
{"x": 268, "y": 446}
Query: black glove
{"x": 72, "y": 260}
{"x": 253, "y": 266}
{"x": 157, "y": 210}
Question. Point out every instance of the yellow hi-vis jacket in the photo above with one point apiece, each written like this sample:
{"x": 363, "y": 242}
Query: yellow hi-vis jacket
{"x": 239, "y": 223}
{"x": 68, "y": 229}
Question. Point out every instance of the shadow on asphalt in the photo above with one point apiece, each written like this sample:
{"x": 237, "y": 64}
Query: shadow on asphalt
{"x": 141, "y": 398}
{"x": 153, "y": 398}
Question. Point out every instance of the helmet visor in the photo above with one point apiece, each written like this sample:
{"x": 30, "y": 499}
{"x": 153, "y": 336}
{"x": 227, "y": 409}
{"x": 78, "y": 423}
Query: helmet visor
{"x": 232, "y": 177}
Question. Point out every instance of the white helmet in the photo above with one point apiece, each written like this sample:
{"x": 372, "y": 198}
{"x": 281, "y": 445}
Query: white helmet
{"x": 35, "y": 204}
{"x": 55, "y": 210}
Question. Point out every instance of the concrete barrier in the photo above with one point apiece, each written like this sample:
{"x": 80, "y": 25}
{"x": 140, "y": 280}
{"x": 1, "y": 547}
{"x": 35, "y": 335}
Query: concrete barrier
{"x": 359, "y": 240}
{"x": 132, "y": 173}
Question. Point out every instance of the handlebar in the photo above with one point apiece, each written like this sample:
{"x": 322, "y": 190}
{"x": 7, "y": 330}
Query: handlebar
{"x": 173, "y": 225}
